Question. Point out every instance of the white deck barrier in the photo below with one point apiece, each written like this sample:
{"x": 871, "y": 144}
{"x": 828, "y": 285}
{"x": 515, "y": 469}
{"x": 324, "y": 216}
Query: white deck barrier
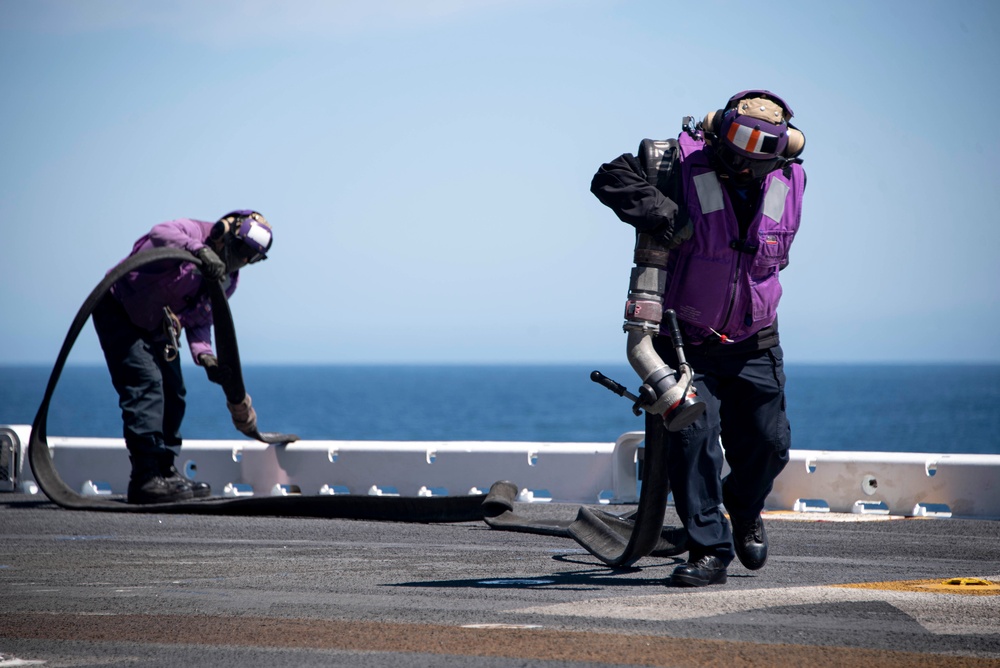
{"x": 933, "y": 485}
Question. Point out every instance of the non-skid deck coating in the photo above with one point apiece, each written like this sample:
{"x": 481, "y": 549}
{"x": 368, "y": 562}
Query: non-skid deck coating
{"x": 81, "y": 588}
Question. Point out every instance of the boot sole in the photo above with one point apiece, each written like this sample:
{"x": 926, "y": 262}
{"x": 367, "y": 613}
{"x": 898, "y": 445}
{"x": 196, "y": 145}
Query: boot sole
{"x": 684, "y": 580}
{"x": 145, "y": 501}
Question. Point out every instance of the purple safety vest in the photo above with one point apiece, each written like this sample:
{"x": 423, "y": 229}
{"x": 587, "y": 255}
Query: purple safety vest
{"x": 718, "y": 285}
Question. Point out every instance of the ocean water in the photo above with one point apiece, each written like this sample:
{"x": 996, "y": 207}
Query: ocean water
{"x": 890, "y": 408}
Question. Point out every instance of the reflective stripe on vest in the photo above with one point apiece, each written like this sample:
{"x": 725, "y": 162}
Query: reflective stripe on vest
{"x": 709, "y": 192}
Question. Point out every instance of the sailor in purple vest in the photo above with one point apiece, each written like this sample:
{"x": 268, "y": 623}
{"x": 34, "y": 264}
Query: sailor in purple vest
{"x": 726, "y": 197}
{"x": 138, "y": 322}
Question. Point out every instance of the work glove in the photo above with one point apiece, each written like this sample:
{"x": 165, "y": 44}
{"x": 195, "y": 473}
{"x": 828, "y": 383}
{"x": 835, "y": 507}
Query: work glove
{"x": 668, "y": 237}
{"x": 244, "y": 416}
{"x": 218, "y": 374}
{"x": 212, "y": 266}
{"x": 678, "y": 237}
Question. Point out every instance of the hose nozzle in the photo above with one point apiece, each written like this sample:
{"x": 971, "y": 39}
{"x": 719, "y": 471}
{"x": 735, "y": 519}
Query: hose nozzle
{"x": 685, "y": 413}
{"x": 664, "y": 391}
{"x": 672, "y": 395}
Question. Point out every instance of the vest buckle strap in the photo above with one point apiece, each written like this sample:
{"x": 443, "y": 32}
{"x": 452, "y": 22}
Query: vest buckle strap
{"x": 743, "y": 246}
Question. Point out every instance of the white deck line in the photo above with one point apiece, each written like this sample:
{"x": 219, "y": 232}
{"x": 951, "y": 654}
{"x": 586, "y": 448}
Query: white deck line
{"x": 906, "y": 484}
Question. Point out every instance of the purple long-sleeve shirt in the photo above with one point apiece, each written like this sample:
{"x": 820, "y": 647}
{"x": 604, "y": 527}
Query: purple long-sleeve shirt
{"x": 146, "y": 291}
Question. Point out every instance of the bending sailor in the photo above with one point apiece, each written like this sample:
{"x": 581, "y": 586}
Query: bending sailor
{"x": 138, "y": 322}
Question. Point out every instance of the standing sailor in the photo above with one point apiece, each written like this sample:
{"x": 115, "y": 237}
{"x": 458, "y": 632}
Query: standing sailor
{"x": 725, "y": 198}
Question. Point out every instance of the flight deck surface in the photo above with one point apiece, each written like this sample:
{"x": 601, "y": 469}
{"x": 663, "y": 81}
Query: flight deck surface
{"x": 84, "y": 588}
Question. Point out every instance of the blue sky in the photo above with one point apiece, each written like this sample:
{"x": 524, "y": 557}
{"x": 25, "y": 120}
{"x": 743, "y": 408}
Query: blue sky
{"x": 426, "y": 166}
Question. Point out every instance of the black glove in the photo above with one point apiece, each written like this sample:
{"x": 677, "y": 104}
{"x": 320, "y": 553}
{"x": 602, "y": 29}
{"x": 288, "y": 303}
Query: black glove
{"x": 244, "y": 416}
{"x": 212, "y": 267}
{"x": 677, "y": 237}
{"x": 216, "y": 374}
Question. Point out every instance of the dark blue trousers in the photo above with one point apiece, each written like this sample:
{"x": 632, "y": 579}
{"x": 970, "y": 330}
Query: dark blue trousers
{"x": 151, "y": 392}
{"x": 745, "y": 405}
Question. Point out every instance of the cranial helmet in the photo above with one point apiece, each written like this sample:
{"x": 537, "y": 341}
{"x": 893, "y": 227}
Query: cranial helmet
{"x": 246, "y": 233}
{"x": 753, "y": 133}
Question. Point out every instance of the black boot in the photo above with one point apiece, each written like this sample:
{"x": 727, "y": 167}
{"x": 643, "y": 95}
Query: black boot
{"x": 152, "y": 488}
{"x": 750, "y": 541}
{"x": 700, "y": 572}
{"x": 199, "y": 490}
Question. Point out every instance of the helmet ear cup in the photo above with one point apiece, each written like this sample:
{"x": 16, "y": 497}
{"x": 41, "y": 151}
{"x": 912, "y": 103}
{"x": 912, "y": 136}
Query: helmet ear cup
{"x": 796, "y": 142}
{"x": 712, "y": 122}
{"x": 221, "y": 228}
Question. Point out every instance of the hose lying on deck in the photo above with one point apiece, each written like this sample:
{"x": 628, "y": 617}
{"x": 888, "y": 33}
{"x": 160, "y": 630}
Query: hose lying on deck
{"x": 433, "y": 509}
{"x": 617, "y": 541}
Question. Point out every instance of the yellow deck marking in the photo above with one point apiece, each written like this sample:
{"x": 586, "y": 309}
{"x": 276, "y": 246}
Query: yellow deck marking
{"x": 972, "y": 586}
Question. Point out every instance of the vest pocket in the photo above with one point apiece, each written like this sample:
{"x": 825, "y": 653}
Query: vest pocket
{"x": 700, "y": 290}
{"x": 772, "y": 247}
{"x": 764, "y": 298}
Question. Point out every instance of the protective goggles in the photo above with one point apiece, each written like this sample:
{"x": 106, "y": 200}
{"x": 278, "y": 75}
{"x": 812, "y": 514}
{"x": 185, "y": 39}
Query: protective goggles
{"x": 254, "y": 239}
{"x": 737, "y": 164}
{"x": 248, "y": 253}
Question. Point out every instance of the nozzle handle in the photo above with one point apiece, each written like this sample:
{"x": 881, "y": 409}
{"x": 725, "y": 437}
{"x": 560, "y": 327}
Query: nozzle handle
{"x": 601, "y": 379}
{"x": 618, "y": 389}
{"x": 673, "y": 327}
